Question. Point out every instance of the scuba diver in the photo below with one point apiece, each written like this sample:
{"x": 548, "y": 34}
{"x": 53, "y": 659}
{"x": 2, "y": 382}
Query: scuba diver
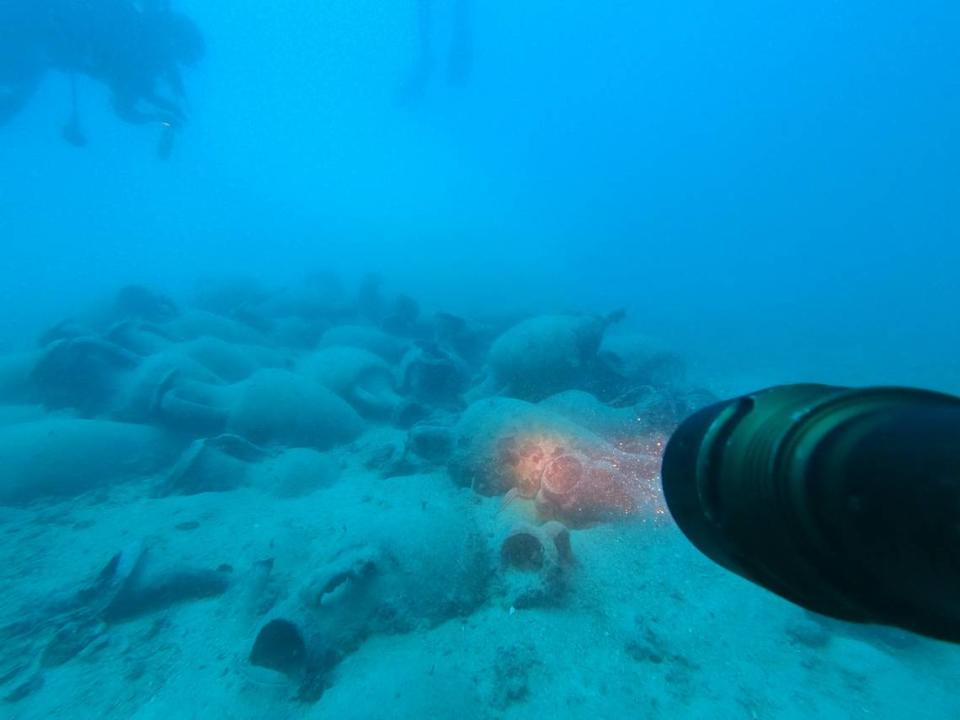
{"x": 459, "y": 54}
{"x": 843, "y": 501}
{"x": 136, "y": 49}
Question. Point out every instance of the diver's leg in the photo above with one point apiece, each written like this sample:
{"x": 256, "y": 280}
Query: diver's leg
{"x": 416, "y": 83}
{"x": 460, "y": 60}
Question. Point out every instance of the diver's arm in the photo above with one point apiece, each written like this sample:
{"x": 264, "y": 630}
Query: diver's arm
{"x": 127, "y": 109}
{"x": 127, "y": 106}
{"x": 169, "y": 116}
{"x": 170, "y": 110}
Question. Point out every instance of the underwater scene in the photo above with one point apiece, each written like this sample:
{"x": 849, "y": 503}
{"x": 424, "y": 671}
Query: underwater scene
{"x": 479, "y": 359}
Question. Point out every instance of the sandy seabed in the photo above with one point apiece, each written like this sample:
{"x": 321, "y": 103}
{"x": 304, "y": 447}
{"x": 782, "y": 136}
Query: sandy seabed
{"x": 328, "y": 502}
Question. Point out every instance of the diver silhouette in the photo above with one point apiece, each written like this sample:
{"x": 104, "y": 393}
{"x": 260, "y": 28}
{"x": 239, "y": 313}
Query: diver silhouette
{"x": 136, "y": 49}
{"x": 459, "y": 53}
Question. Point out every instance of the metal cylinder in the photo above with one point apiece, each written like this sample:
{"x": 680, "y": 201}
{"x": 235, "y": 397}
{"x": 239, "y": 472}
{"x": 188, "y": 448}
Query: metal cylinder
{"x": 844, "y": 501}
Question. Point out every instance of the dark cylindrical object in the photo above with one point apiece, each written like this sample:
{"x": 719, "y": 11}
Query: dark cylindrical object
{"x": 844, "y": 501}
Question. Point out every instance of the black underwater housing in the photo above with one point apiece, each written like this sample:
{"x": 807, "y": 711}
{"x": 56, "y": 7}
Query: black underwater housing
{"x": 843, "y": 501}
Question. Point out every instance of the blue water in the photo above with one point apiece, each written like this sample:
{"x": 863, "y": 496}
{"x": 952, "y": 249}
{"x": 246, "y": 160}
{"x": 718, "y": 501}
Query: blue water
{"x": 771, "y": 189}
